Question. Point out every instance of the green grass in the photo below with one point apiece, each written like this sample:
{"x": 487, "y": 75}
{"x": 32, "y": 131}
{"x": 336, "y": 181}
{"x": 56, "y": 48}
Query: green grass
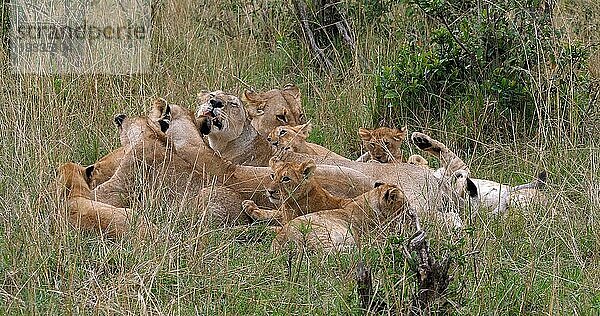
{"x": 534, "y": 261}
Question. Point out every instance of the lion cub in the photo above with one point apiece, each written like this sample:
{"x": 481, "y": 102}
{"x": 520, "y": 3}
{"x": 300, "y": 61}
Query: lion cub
{"x": 341, "y": 229}
{"x": 293, "y": 138}
{"x": 382, "y": 144}
{"x": 295, "y": 191}
{"x": 87, "y": 214}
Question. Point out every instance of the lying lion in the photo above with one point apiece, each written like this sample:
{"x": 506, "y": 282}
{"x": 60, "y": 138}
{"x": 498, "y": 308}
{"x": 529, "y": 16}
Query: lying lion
{"x": 490, "y": 194}
{"x": 293, "y": 138}
{"x": 295, "y": 192}
{"x": 342, "y": 229}
{"x": 229, "y": 130}
{"x": 267, "y": 110}
{"x": 87, "y": 214}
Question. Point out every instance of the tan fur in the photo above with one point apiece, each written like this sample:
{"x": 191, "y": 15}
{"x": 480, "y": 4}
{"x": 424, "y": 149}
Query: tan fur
{"x": 382, "y": 144}
{"x": 418, "y": 160}
{"x": 104, "y": 168}
{"x": 295, "y": 192}
{"x": 87, "y": 214}
{"x": 196, "y": 177}
{"x": 424, "y": 192}
{"x": 273, "y": 108}
{"x": 491, "y": 195}
{"x": 229, "y": 130}
{"x": 341, "y": 229}
{"x": 293, "y": 138}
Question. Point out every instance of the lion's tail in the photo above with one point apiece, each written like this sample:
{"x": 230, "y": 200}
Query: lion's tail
{"x": 537, "y": 183}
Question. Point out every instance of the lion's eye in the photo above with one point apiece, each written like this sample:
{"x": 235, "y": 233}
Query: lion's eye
{"x": 282, "y": 132}
{"x": 272, "y": 176}
{"x": 281, "y": 118}
{"x": 285, "y": 179}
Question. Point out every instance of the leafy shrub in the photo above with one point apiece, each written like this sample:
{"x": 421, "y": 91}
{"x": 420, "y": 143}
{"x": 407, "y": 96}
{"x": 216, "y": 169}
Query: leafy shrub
{"x": 476, "y": 64}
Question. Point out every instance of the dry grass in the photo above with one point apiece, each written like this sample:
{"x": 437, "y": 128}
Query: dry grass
{"x": 537, "y": 261}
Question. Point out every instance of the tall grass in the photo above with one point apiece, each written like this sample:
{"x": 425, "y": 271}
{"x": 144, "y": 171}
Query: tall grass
{"x": 534, "y": 261}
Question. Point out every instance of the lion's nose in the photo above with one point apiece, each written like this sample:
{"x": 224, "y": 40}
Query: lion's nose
{"x": 271, "y": 192}
{"x": 216, "y": 103}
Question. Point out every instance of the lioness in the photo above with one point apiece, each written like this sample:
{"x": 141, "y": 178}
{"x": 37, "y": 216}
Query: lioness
{"x": 294, "y": 138}
{"x": 104, "y": 168}
{"x": 87, "y": 214}
{"x": 230, "y": 133}
{"x": 490, "y": 194}
{"x": 382, "y": 144}
{"x": 273, "y": 108}
{"x": 341, "y": 229}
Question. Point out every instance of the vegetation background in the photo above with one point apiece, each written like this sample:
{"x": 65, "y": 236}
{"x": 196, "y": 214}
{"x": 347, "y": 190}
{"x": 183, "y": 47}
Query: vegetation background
{"x": 512, "y": 86}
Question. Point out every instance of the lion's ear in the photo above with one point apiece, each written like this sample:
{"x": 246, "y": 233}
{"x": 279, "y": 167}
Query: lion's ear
{"x": 254, "y": 103}
{"x": 471, "y": 188}
{"x": 304, "y": 129}
{"x": 400, "y": 134}
{"x": 364, "y": 134}
{"x": 273, "y": 161}
{"x": 393, "y": 194}
{"x": 378, "y": 184}
{"x": 164, "y": 124}
{"x": 308, "y": 168}
{"x": 89, "y": 171}
{"x": 159, "y": 108}
{"x": 293, "y": 91}
{"x": 119, "y": 119}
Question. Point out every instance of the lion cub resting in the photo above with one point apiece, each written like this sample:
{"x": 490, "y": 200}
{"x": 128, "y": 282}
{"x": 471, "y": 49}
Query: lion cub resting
{"x": 341, "y": 229}
{"x": 293, "y": 138}
{"x": 87, "y": 214}
{"x": 295, "y": 192}
{"x": 382, "y": 144}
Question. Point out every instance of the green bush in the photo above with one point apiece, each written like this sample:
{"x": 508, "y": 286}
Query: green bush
{"x": 477, "y": 60}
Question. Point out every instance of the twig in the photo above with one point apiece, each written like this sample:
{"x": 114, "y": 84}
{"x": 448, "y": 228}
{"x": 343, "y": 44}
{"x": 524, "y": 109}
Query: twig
{"x": 300, "y": 8}
{"x": 368, "y": 301}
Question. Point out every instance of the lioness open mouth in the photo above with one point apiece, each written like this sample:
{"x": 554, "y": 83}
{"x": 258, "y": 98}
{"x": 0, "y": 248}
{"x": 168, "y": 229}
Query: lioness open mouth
{"x": 208, "y": 120}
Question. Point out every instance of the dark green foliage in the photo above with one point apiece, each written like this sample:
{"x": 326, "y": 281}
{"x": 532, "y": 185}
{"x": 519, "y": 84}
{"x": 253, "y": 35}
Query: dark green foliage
{"x": 475, "y": 57}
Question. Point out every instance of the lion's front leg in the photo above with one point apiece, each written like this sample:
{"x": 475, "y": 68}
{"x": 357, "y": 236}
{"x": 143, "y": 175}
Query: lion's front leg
{"x": 448, "y": 159}
{"x": 261, "y": 214}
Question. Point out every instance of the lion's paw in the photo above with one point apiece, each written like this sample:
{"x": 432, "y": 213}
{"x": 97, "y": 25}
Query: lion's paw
{"x": 421, "y": 140}
{"x": 249, "y": 207}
